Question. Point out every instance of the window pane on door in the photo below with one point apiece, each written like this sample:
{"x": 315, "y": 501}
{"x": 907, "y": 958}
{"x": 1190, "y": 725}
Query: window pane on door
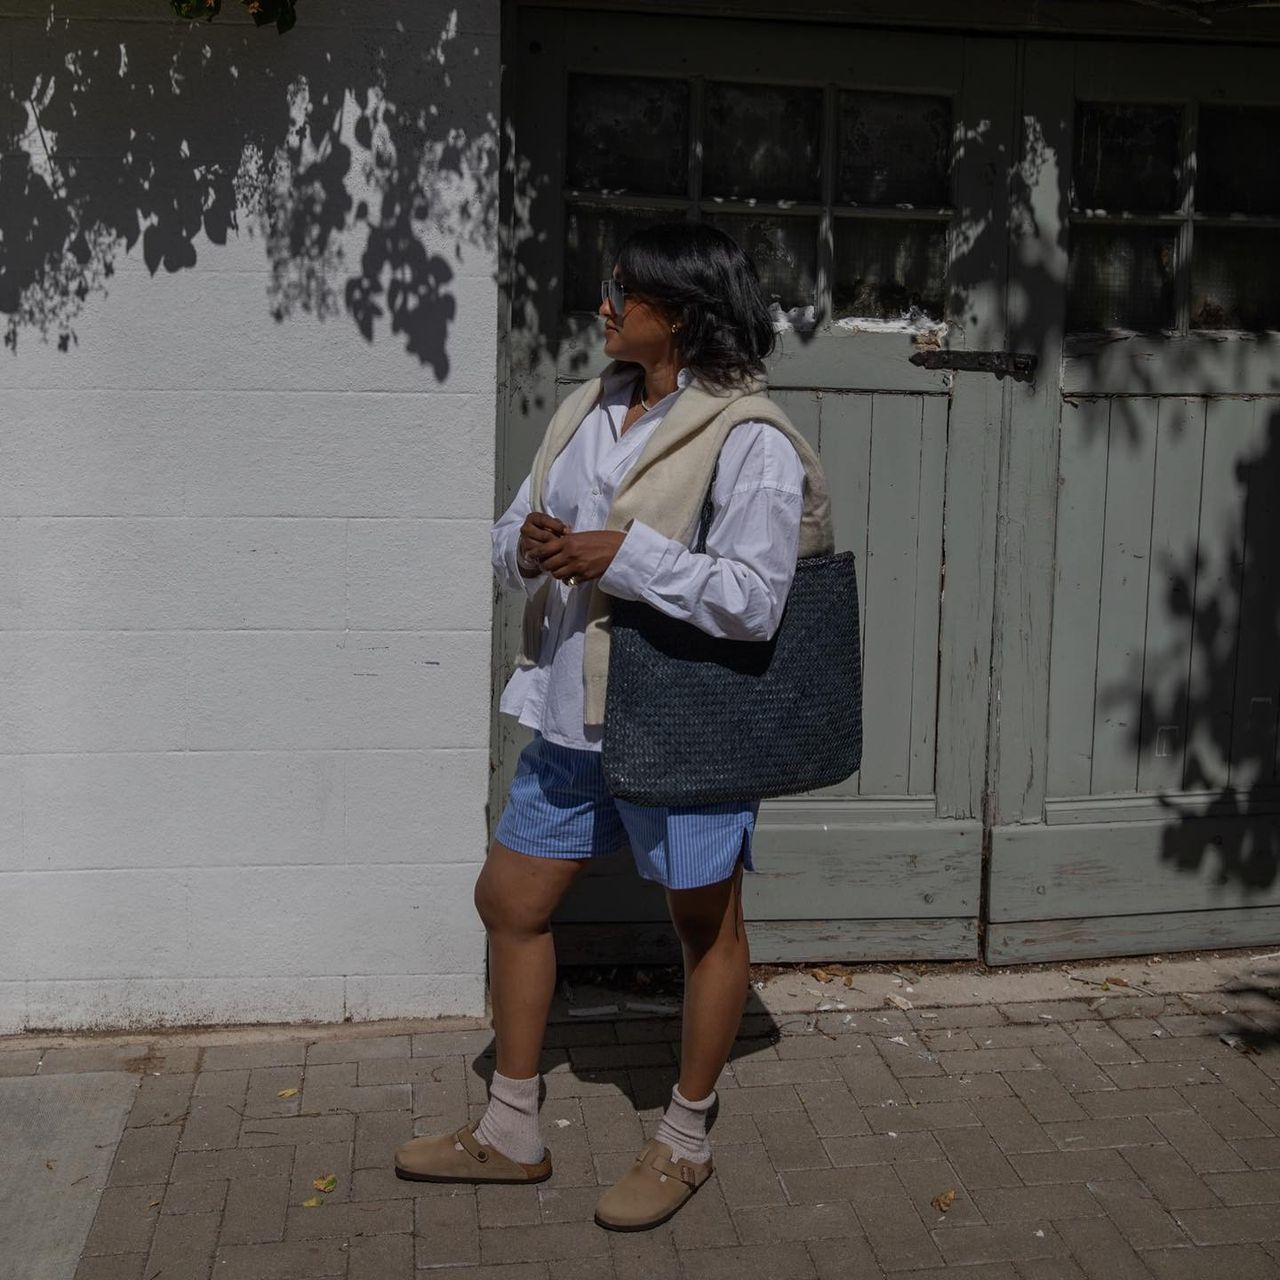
{"x": 887, "y": 270}
{"x": 1235, "y": 278}
{"x": 1237, "y": 169}
{"x": 894, "y": 149}
{"x": 763, "y": 142}
{"x": 628, "y": 133}
{"x": 592, "y": 237}
{"x": 784, "y": 250}
{"x": 1126, "y": 157}
{"x": 1120, "y": 278}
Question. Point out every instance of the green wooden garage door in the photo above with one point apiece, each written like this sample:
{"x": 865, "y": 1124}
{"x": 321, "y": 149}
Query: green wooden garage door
{"x": 1023, "y": 618}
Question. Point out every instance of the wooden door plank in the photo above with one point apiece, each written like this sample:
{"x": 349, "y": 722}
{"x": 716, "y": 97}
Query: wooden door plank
{"x": 1253, "y": 720}
{"x": 747, "y": 50}
{"x": 1179, "y": 459}
{"x": 1028, "y": 470}
{"x": 1212, "y": 682}
{"x": 1123, "y": 868}
{"x": 845, "y": 435}
{"x": 1164, "y": 73}
{"x": 1055, "y": 18}
{"x": 868, "y": 870}
{"x": 964, "y": 668}
{"x": 890, "y": 578}
{"x": 803, "y": 407}
{"x": 987, "y": 124}
{"x": 1029, "y": 941}
{"x": 1122, "y": 607}
{"x": 1200, "y": 364}
{"x": 1082, "y": 488}
{"x": 928, "y": 595}
{"x": 777, "y": 941}
{"x": 527, "y": 392}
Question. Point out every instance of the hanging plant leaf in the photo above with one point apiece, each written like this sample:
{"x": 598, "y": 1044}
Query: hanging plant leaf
{"x": 280, "y": 12}
{"x": 194, "y": 10}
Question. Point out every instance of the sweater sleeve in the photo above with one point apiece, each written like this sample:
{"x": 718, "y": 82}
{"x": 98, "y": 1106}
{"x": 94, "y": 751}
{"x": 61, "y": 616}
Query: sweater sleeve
{"x": 738, "y": 588}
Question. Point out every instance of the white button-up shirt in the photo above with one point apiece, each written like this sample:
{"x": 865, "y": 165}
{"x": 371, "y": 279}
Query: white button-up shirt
{"x": 737, "y": 589}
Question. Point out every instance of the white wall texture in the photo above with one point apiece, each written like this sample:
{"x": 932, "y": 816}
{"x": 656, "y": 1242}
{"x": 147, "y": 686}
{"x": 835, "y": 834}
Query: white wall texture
{"x": 244, "y": 588}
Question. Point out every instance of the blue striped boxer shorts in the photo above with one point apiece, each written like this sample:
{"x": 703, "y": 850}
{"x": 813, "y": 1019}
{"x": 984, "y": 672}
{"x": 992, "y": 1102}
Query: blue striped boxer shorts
{"x": 559, "y": 807}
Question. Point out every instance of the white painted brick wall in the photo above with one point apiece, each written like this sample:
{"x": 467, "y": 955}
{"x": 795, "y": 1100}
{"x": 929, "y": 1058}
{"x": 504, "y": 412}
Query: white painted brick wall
{"x": 245, "y": 611}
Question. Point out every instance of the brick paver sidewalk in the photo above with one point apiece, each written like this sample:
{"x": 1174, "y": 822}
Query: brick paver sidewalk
{"x": 1113, "y": 1142}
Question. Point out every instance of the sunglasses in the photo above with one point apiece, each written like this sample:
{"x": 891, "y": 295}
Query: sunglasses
{"x": 615, "y": 293}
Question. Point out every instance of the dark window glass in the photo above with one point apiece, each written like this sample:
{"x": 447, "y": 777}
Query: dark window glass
{"x": 762, "y": 142}
{"x": 1235, "y": 278}
{"x": 592, "y": 237}
{"x": 628, "y": 133}
{"x": 1120, "y": 278}
{"x": 1238, "y": 160}
{"x": 893, "y": 149}
{"x": 1126, "y": 158}
{"x": 885, "y": 270}
{"x": 784, "y": 250}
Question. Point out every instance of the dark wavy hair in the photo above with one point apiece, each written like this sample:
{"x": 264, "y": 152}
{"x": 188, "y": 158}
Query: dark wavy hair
{"x": 705, "y": 278}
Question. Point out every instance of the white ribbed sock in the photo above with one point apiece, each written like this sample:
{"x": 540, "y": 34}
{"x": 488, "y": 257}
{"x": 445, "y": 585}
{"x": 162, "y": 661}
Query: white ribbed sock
{"x": 684, "y": 1127}
{"x": 510, "y": 1123}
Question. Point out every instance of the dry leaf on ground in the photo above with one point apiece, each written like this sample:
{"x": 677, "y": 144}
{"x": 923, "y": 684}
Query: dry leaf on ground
{"x": 944, "y": 1200}
{"x": 287, "y": 1093}
{"x": 1238, "y": 1043}
{"x": 898, "y": 1002}
{"x": 313, "y": 1203}
{"x": 326, "y": 1183}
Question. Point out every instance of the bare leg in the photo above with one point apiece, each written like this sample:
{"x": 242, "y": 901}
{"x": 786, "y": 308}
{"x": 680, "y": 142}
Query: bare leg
{"x": 713, "y": 938}
{"x": 515, "y": 896}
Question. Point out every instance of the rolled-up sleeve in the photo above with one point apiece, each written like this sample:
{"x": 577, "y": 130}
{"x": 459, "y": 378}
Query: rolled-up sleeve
{"x": 737, "y": 589}
{"x": 505, "y": 535}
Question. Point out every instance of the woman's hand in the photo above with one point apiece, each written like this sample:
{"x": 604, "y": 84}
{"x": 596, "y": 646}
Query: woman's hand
{"x": 580, "y": 557}
{"x": 538, "y": 530}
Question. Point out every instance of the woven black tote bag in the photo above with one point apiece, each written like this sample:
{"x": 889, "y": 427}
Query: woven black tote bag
{"x": 693, "y": 719}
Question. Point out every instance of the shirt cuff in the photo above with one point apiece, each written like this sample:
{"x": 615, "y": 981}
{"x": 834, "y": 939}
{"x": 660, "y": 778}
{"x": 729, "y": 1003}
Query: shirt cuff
{"x": 530, "y": 585}
{"x": 640, "y": 559}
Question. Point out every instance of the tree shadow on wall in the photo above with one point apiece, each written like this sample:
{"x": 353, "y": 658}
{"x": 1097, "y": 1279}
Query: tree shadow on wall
{"x": 1234, "y": 680}
{"x": 362, "y": 157}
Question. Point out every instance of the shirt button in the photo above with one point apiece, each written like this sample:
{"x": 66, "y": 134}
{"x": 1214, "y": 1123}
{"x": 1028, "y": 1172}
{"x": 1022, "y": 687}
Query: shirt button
{"x": 596, "y": 492}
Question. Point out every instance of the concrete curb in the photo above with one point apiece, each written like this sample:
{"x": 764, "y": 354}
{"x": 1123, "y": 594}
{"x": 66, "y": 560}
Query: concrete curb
{"x": 786, "y": 994}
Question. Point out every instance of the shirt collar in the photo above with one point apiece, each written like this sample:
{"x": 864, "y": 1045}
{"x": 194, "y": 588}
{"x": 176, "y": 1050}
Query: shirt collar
{"x": 627, "y": 373}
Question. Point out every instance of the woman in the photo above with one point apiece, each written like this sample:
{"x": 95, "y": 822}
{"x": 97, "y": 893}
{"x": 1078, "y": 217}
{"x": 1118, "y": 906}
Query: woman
{"x": 689, "y": 330}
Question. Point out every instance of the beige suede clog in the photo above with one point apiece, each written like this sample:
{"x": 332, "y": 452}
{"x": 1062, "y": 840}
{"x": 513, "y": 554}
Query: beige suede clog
{"x": 460, "y": 1157}
{"x": 654, "y": 1189}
